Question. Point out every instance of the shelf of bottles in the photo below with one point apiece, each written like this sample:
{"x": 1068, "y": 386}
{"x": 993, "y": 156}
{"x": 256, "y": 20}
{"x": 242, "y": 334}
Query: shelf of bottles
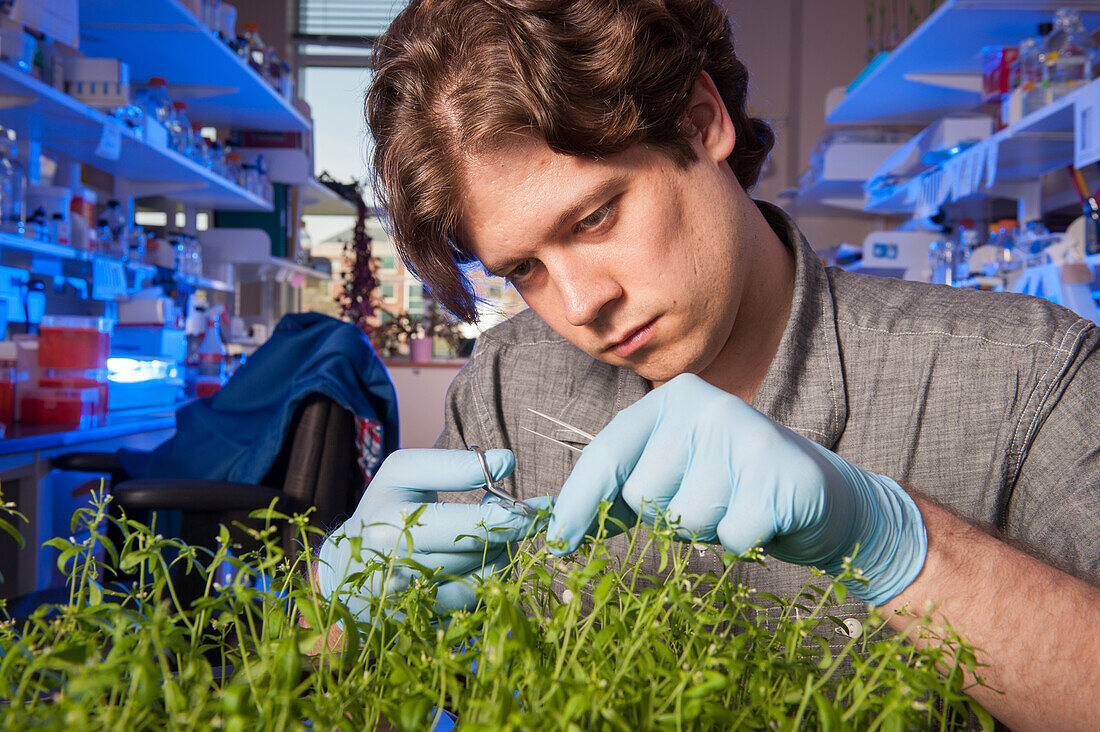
{"x": 937, "y": 69}
{"x": 229, "y": 80}
{"x": 36, "y": 111}
{"x": 1048, "y": 105}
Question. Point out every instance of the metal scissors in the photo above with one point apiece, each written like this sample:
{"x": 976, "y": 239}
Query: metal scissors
{"x": 494, "y": 489}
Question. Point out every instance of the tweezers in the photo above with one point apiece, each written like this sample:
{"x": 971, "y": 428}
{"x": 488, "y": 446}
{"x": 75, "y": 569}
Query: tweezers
{"x": 492, "y": 488}
{"x": 576, "y": 430}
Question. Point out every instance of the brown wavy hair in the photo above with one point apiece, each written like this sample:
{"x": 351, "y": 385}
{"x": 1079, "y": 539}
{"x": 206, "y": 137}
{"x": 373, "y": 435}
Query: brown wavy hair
{"x": 591, "y": 77}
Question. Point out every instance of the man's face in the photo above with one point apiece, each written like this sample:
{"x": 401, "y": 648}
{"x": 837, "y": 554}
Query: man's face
{"x": 633, "y": 258}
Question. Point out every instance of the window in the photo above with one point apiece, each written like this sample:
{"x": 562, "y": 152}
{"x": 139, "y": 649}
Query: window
{"x": 389, "y": 292}
{"x": 387, "y": 263}
{"x": 414, "y": 299}
{"x": 349, "y": 22}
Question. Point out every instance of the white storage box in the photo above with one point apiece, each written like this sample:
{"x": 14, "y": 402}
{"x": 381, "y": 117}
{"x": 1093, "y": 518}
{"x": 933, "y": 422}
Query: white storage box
{"x": 148, "y": 311}
{"x": 103, "y": 83}
{"x": 147, "y": 340}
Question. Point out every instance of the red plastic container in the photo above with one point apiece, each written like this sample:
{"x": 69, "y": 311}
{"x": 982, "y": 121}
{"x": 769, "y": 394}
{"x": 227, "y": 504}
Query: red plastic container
{"x": 75, "y": 407}
{"x": 77, "y": 379}
{"x": 8, "y": 375}
{"x": 74, "y": 342}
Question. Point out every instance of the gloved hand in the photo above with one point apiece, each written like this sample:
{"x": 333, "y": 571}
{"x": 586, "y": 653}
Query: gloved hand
{"x": 724, "y": 472}
{"x": 465, "y": 540}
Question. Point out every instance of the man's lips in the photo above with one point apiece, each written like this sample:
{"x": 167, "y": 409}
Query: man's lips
{"x": 633, "y": 340}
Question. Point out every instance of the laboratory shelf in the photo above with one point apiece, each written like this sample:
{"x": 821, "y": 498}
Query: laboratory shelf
{"x": 1038, "y": 144}
{"x": 164, "y": 38}
{"x": 205, "y": 283}
{"x": 320, "y": 200}
{"x": 37, "y": 111}
{"x": 937, "y": 69}
{"x": 14, "y": 241}
{"x": 60, "y": 251}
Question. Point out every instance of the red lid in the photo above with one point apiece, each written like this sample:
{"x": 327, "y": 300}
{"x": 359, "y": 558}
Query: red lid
{"x": 251, "y": 27}
{"x": 179, "y": 105}
{"x": 157, "y": 81}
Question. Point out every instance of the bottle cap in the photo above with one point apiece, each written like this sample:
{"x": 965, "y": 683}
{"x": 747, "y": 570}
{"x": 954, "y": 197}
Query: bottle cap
{"x": 157, "y": 81}
{"x": 179, "y": 105}
{"x": 251, "y": 27}
{"x": 1045, "y": 28}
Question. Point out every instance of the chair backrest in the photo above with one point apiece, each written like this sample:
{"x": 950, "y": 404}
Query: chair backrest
{"x": 317, "y": 466}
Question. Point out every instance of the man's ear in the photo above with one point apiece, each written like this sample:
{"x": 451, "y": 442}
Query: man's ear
{"x": 708, "y": 117}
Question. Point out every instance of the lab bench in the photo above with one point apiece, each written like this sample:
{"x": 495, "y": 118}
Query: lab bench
{"x": 48, "y": 497}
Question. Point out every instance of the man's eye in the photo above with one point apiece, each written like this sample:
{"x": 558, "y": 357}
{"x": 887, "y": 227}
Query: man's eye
{"x": 594, "y": 219}
{"x": 520, "y": 271}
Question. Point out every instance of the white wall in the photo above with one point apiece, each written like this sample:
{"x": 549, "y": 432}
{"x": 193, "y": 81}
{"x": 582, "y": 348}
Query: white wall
{"x": 421, "y": 390}
{"x": 796, "y": 51}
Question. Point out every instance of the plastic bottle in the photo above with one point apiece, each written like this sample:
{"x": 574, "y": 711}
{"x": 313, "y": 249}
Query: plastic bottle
{"x": 180, "y": 135}
{"x": 1067, "y": 54}
{"x": 211, "y": 351}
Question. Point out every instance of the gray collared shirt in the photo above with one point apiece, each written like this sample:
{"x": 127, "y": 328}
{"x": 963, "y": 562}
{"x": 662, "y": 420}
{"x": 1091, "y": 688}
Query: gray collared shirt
{"x": 986, "y": 402}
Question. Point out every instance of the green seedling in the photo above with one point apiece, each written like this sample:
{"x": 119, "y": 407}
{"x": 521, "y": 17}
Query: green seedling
{"x": 585, "y": 642}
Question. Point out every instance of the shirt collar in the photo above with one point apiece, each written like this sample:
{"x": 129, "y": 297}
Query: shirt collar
{"x": 804, "y": 385}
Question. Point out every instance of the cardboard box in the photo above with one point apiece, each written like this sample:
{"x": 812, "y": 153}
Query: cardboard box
{"x": 103, "y": 83}
{"x": 58, "y": 19}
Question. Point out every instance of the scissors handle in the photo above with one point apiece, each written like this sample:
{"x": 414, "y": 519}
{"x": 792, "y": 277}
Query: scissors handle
{"x": 492, "y": 489}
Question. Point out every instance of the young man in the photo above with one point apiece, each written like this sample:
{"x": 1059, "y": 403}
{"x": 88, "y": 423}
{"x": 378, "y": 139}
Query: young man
{"x": 598, "y": 154}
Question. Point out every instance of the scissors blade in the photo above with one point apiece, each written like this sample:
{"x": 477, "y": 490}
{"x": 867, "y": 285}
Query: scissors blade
{"x": 566, "y": 425}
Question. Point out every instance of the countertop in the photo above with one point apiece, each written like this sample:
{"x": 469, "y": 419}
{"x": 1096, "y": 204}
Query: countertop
{"x": 29, "y": 437}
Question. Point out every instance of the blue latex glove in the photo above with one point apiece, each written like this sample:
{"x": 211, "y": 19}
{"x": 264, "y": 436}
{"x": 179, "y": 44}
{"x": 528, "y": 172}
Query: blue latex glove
{"x": 724, "y": 472}
{"x": 465, "y": 540}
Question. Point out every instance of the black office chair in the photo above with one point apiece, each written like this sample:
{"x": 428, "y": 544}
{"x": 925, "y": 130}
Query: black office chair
{"x": 317, "y": 468}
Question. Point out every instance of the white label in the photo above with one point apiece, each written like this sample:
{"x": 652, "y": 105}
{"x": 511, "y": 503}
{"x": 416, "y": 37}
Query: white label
{"x": 1086, "y": 127}
{"x": 110, "y": 142}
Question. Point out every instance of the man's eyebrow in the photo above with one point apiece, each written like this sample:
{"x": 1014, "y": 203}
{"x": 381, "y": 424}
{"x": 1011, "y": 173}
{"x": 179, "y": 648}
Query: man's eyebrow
{"x": 580, "y": 208}
{"x": 576, "y": 210}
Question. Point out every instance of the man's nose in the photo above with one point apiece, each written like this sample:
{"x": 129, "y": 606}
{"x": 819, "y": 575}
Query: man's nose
{"x": 585, "y": 292}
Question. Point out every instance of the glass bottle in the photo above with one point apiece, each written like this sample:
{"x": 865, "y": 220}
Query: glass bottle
{"x": 273, "y": 68}
{"x": 254, "y": 47}
{"x": 180, "y": 135}
{"x": 38, "y": 224}
{"x": 1029, "y": 73}
{"x": 116, "y": 222}
{"x": 13, "y": 188}
{"x": 234, "y": 170}
{"x": 155, "y": 100}
{"x": 1067, "y": 54}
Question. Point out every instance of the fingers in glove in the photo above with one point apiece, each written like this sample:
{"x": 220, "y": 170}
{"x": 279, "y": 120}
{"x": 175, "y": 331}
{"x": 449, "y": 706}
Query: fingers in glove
{"x": 441, "y": 470}
{"x": 600, "y": 472}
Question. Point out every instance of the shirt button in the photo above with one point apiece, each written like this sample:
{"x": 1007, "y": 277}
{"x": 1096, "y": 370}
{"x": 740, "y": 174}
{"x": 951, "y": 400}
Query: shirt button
{"x": 854, "y": 627}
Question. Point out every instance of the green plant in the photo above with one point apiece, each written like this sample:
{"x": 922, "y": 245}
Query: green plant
{"x": 617, "y": 650}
